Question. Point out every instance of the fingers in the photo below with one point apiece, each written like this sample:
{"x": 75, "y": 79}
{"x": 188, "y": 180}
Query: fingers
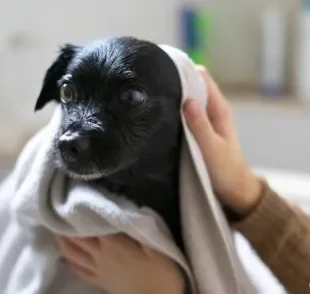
{"x": 76, "y": 254}
{"x": 84, "y": 274}
{"x": 90, "y": 244}
{"x": 217, "y": 104}
{"x": 149, "y": 251}
{"x": 200, "y": 127}
{"x": 119, "y": 241}
{"x": 197, "y": 119}
{"x": 201, "y": 69}
{"x": 218, "y": 110}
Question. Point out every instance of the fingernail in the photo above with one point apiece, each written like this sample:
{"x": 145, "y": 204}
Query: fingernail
{"x": 192, "y": 108}
{"x": 201, "y": 67}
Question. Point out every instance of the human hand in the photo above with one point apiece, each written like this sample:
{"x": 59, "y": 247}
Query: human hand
{"x": 214, "y": 130}
{"x": 120, "y": 265}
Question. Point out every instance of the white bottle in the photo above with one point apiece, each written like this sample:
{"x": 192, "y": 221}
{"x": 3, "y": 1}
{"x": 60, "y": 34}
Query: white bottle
{"x": 303, "y": 53}
{"x": 273, "y": 51}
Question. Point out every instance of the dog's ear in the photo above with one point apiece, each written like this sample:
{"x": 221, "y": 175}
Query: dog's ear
{"x": 59, "y": 67}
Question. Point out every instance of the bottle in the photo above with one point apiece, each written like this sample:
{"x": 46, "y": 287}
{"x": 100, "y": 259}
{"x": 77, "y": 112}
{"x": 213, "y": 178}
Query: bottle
{"x": 303, "y": 52}
{"x": 196, "y": 24}
{"x": 273, "y": 51}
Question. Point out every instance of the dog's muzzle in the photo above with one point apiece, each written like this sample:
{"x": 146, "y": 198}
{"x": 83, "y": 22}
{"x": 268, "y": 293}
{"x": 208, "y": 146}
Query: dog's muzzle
{"x": 74, "y": 147}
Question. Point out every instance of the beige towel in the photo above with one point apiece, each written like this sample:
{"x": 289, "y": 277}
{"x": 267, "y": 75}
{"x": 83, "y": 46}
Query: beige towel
{"x": 38, "y": 201}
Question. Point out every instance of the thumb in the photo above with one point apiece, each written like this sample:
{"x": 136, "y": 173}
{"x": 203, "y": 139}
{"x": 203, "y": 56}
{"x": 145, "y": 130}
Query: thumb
{"x": 148, "y": 251}
{"x": 200, "y": 126}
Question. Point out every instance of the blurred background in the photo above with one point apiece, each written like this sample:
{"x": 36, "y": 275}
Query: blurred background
{"x": 258, "y": 51}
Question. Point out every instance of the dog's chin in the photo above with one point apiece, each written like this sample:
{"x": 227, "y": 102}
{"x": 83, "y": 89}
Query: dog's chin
{"x": 85, "y": 176}
{"x": 91, "y": 171}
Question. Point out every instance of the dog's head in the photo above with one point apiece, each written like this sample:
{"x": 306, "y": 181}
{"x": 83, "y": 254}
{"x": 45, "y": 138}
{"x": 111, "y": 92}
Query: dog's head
{"x": 120, "y": 99}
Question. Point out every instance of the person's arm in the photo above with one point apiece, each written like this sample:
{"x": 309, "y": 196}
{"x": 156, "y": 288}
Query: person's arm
{"x": 280, "y": 233}
{"x": 277, "y": 230}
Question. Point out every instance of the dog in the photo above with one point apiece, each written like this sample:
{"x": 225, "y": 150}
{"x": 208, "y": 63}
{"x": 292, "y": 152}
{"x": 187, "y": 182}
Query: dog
{"x": 121, "y": 126}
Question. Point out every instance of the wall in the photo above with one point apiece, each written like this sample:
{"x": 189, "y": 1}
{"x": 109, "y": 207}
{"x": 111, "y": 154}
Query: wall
{"x": 30, "y": 32}
{"x": 236, "y": 42}
{"x": 274, "y": 137}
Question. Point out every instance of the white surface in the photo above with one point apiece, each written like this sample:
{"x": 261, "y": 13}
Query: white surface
{"x": 261, "y": 276}
{"x": 274, "y": 137}
{"x": 294, "y": 186}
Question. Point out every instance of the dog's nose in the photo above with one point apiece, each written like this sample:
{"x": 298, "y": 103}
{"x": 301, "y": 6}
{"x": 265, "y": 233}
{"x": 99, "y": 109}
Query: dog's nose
{"x": 73, "y": 147}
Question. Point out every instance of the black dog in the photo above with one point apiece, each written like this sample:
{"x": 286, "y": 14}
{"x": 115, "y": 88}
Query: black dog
{"x": 121, "y": 125}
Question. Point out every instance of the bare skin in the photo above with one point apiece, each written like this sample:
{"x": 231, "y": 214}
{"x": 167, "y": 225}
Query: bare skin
{"x": 119, "y": 264}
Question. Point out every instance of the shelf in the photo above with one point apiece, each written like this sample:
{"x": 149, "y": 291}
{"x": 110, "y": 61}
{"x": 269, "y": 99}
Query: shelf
{"x": 250, "y": 99}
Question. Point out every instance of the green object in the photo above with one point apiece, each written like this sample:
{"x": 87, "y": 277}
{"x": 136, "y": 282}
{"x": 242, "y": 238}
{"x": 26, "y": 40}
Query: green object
{"x": 200, "y": 53}
{"x": 204, "y": 23}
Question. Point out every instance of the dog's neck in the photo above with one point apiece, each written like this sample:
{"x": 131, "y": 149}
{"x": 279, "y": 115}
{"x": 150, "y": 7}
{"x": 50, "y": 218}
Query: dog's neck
{"x": 156, "y": 168}
{"x": 152, "y": 183}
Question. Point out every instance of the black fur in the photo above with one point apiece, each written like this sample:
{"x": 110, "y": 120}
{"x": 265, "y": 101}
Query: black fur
{"x": 131, "y": 149}
{"x": 50, "y": 90}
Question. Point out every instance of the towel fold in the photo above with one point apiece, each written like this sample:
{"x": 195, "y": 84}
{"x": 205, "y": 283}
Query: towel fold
{"x": 39, "y": 201}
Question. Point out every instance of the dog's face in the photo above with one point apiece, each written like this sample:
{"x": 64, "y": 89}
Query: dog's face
{"x": 120, "y": 99}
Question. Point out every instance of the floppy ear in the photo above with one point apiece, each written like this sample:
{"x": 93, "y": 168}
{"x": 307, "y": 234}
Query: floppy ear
{"x": 49, "y": 89}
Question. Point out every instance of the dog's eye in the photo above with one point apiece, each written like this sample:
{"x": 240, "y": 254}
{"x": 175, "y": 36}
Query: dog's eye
{"x": 133, "y": 97}
{"x": 67, "y": 93}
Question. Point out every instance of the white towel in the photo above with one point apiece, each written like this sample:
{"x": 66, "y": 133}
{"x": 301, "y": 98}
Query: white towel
{"x": 39, "y": 201}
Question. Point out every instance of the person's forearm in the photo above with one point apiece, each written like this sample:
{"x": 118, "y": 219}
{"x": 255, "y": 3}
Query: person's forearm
{"x": 280, "y": 234}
